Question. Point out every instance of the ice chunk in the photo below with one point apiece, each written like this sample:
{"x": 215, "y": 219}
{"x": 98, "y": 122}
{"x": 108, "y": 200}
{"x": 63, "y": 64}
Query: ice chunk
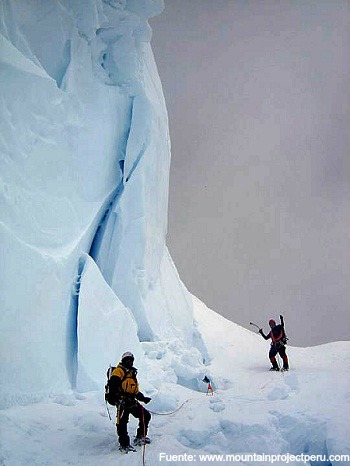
{"x": 106, "y": 329}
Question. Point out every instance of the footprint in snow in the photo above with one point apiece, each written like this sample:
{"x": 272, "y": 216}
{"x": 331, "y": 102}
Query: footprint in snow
{"x": 217, "y": 405}
{"x": 292, "y": 381}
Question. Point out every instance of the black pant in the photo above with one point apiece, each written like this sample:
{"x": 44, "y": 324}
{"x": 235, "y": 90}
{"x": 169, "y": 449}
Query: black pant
{"x": 281, "y": 350}
{"x": 137, "y": 410}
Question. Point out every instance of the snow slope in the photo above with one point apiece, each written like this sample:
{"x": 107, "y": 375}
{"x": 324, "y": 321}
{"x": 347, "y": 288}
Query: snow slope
{"x": 86, "y": 274}
{"x": 252, "y": 410}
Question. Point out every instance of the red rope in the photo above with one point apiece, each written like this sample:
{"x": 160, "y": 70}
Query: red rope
{"x": 144, "y": 437}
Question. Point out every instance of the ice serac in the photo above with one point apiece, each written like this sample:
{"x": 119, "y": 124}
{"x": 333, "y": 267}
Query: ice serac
{"x": 85, "y": 157}
{"x": 130, "y": 246}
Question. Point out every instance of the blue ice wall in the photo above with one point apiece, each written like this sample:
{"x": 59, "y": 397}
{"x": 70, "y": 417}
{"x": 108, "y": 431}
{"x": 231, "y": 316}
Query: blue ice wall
{"x": 84, "y": 169}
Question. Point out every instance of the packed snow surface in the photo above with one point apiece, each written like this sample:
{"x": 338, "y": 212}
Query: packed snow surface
{"x": 252, "y": 410}
{"x": 86, "y": 274}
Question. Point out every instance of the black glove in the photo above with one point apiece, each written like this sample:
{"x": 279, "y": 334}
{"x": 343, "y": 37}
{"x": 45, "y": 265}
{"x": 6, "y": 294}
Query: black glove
{"x": 146, "y": 399}
{"x": 281, "y": 317}
{"x": 260, "y": 330}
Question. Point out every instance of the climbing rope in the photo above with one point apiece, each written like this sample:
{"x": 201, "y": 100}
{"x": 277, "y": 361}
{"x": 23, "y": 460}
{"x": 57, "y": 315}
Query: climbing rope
{"x": 171, "y": 412}
{"x": 109, "y": 414}
{"x": 144, "y": 437}
{"x": 144, "y": 426}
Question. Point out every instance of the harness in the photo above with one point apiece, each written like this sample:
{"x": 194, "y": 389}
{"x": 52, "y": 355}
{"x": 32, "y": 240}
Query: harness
{"x": 277, "y": 339}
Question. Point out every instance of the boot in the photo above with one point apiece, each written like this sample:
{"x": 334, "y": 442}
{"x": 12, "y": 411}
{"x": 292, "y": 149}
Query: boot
{"x": 126, "y": 449}
{"x": 142, "y": 440}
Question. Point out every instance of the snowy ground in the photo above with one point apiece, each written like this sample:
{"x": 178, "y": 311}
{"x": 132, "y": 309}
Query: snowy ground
{"x": 252, "y": 410}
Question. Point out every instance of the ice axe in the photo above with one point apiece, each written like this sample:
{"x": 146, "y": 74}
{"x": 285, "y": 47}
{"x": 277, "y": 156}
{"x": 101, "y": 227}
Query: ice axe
{"x": 257, "y": 326}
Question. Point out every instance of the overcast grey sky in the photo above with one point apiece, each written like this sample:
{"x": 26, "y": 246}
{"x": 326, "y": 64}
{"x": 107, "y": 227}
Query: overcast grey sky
{"x": 258, "y": 100}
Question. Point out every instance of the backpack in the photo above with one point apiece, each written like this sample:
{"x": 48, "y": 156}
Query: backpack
{"x": 284, "y": 338}
{"x": 109, "y": 397}
{"x": 129, "y": 388}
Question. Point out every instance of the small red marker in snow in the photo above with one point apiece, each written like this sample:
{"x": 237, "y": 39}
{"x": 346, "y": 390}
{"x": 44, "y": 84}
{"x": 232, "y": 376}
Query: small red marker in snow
{"x": 210, "y": 390}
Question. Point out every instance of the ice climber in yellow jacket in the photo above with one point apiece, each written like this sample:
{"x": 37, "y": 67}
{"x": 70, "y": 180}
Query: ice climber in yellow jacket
{"x": 125, "y": 390}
